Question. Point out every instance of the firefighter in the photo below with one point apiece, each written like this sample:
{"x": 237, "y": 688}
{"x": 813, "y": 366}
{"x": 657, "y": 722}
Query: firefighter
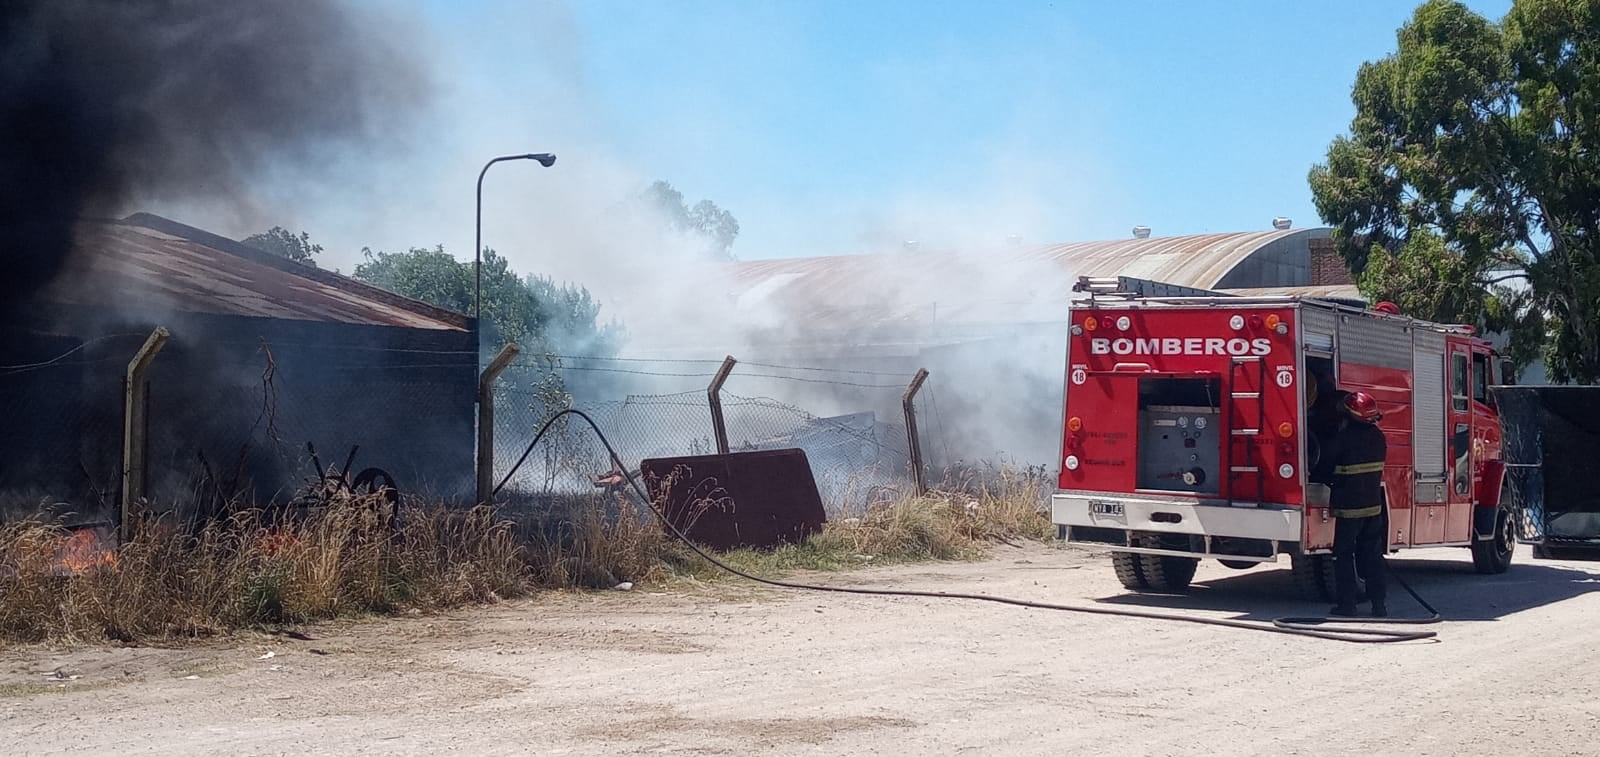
{"x": 1356, "y": 502}
{"x": 1324, "y": 412}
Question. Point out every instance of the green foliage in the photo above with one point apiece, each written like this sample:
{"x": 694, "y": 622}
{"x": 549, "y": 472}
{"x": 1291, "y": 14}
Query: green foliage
{"x": 432, "y": 276}
{"x": 716, "y": 226}
{"x": 543, "y": 317}
{"x": 1424, "y": 275}
{"x": 280, "y": 241}
{"x": 1468, "y": 167}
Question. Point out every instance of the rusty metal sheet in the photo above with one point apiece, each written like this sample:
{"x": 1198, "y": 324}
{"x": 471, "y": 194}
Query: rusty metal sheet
{"x": 169, "y": 265}
{"x": 744, "y": 499}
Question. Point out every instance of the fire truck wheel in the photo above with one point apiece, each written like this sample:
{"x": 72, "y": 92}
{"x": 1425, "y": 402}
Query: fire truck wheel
{"x": 1492, "y": 556}
{"x": 1158, "y": 574}
{"x": 1313, "y": 577}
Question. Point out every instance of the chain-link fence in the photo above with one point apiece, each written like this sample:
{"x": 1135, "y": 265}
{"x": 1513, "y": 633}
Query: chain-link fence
{"x": 849, "y": 423}
{"x": 242, "y": 422}
{"x": 61, "y": 415}
{"x": 230, "y": 420}
{"x": 234, "y": 419}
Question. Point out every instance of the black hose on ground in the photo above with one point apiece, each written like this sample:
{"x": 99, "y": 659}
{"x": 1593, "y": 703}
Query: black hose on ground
{"x": 1309, "y": 623}
{"x": 1314, "y": 627}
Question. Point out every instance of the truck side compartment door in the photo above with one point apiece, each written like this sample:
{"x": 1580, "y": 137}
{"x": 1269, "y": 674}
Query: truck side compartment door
{"x": 1430, "y": 523}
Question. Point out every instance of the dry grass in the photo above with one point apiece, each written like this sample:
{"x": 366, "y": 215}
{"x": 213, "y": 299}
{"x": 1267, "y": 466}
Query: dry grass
{"x": 969, "y": 512}
{"x": 604, "y": 541}
{"x": 250, "y": 570}
{"x": 349, "y": 559}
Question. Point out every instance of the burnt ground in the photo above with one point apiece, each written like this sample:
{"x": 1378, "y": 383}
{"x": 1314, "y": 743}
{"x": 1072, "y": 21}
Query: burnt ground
{"x": 731, "y": 669}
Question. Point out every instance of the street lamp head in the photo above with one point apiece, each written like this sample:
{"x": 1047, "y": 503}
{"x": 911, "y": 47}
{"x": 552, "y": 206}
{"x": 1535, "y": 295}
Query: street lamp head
{"x": 545, "y": 159}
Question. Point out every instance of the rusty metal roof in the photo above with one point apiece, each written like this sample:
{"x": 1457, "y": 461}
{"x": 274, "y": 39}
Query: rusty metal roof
{"x": 163, "y": 263}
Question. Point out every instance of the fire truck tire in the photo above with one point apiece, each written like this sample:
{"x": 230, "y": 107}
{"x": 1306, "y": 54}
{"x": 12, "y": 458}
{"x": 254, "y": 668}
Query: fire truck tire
{"x": 1493, "y": 556}
{"x": 1158, "y": 574}
{"x": 1313, "y": 576}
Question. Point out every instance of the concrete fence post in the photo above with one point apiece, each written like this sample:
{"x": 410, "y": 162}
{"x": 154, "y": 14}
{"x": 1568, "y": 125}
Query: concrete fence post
{"x": 714, "y": 393}
{"x": 908, "y": 402}
{"x": 136, "y": 427}
{"x": 486, "y": 380}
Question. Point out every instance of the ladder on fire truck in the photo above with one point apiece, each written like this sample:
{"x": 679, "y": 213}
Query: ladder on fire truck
{"x": 1244, "y": 395}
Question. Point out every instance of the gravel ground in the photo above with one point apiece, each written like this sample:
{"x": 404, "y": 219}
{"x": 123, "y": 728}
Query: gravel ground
{"x": 732, "y": 669}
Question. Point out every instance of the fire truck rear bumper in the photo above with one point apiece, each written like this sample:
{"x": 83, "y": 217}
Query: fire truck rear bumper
{"x": 1181, "y": 529}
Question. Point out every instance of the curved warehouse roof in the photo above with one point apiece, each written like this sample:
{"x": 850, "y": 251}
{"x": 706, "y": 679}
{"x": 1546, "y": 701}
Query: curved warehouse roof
{"x": 974, "y": 287}
{"x": 1251, "y": 259}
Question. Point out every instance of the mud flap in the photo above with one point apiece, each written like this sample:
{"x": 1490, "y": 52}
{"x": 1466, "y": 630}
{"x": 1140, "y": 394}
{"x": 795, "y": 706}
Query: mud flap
{"x": 1488, "y": 496}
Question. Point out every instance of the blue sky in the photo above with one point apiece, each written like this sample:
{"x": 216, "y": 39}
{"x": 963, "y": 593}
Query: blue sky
{"x": 825, "y": 126}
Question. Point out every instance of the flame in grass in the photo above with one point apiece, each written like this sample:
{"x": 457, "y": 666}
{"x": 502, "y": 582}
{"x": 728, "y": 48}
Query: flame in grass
{"x": 84, "y": 551}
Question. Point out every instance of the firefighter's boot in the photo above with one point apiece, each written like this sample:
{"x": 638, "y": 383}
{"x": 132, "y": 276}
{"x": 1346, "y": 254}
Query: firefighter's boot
{"x": 1343, "y": 611}
{"x": 1380, "y": 610}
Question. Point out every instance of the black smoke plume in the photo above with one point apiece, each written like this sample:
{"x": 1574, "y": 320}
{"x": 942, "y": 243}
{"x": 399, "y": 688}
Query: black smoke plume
{"x": 109, "y": 103}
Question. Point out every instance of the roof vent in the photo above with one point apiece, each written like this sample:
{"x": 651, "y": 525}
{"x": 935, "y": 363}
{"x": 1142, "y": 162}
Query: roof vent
{"x": 1141, "y": 232}
{"x": 1280, "y": 223}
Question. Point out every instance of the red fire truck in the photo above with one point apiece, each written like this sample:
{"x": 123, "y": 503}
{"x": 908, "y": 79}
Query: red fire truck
{"x": 1192, "y": 421}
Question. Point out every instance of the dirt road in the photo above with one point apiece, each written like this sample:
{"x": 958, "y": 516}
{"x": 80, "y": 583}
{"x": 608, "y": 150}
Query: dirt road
{"x": 739, "y": 670}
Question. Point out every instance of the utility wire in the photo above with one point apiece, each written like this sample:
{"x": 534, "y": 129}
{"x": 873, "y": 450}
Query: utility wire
{"x": 671, "y": 374}
{"x": 775, "y": 366}
{"x": 69, "y": 353}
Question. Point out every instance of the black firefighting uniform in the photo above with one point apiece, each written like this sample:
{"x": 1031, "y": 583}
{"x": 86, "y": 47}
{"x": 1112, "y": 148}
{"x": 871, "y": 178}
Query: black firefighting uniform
{"x": 1356, "y": 502}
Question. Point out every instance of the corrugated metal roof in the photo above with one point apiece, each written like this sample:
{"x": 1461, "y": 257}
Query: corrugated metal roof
{"x": 1330, "y": 292}
{"x": 166, "y": 264}
{"x": 847, "y": 290}
{"x": 1196, "y": 261}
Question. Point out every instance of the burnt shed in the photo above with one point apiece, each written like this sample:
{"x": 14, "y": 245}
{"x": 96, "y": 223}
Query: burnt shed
{"x": 264, "y": 356}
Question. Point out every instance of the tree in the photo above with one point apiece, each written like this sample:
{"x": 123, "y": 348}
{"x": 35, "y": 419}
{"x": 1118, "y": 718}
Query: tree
{"x": 1468, "y": 169}
{"x": 280, "y": 241}
{"x": 543, "y": 317}
{"x": 717, "y": 227}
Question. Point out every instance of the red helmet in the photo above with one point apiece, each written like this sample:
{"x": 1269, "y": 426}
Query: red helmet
{"x": 1362, "y": 407}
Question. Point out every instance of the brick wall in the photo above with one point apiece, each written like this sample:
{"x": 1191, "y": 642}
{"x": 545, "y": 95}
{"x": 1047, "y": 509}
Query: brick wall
{"x": 1327, "y": 268}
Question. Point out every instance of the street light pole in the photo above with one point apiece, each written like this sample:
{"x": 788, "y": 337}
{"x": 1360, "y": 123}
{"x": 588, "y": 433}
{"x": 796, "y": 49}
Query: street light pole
{"x": 545, "y": 159}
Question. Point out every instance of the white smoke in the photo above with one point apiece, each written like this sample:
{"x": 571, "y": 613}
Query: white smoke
{"x": 1034, "y": 178}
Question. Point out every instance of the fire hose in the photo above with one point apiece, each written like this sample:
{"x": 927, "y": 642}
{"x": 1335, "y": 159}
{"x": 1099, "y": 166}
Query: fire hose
{"x": 1314, "y": 627}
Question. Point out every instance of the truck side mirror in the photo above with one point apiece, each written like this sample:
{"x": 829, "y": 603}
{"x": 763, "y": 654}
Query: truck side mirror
{"x": 1508, "y": 372}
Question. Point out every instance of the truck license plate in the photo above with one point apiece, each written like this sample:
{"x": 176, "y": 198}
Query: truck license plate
{"x": 1107, "y": 508}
